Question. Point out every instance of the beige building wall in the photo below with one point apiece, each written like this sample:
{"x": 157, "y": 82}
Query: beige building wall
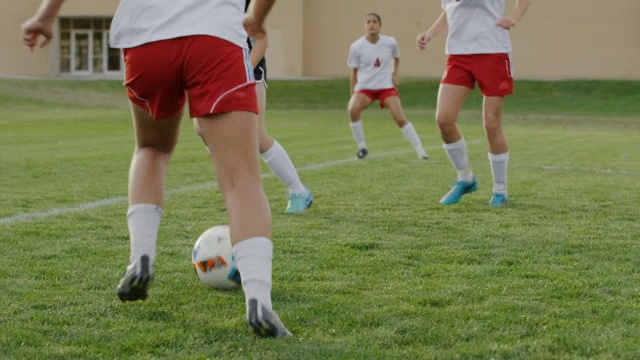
{"x": 557, "y": 39}
{"x": 15, "y": 59}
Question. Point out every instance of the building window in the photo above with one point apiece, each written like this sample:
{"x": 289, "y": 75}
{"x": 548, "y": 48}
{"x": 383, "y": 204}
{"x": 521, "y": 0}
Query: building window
{"x": 84, "y": 47}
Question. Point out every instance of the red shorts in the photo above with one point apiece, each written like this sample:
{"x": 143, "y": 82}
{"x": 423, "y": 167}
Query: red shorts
{"x": 381, "y": 94}
{"x": 491, "y": 71}
{"x": 215, "y": 75}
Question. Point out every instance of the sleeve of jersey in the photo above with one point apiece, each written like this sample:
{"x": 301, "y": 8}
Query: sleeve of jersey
{"x": 396, "y": 49}
{"x": 352, "y": 60}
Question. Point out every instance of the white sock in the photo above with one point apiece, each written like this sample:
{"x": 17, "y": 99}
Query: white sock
{"x": 280, "y": 163}
{"x": 457, "y": 152}
{"x": 358, "y": 134}
{"x": 144, "y": 222}
{"x": 410, "y": 133}
{"x": 499, "y": 170}
{"x": 253, "y": 259}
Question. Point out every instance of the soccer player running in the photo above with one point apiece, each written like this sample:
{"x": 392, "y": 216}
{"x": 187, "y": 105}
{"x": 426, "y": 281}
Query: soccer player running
{"x": 300, "y": 197}
{"x": 479, "y": 50}
{"x": 198, "y": 48}
{"x": 374, "y": 59}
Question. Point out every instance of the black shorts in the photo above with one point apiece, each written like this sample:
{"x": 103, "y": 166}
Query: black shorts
{"x": 260, "y": 72}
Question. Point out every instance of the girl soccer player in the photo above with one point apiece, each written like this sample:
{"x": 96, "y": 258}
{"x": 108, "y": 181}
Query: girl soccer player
{"x": 479, "y": 51}
{"x": 374, "y": 59}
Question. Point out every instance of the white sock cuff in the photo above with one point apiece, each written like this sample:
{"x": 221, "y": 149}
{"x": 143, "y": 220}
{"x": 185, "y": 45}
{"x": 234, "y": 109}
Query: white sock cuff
{"x": 407, "y": 126}
{"x": 255, "y": 245}
{"x": 273, "y": 151}
{"x": 144, "y": 208}
{"x": 355, "y": 123}
{"x": 499, "y": 157}
{"x": 456, "y": 145}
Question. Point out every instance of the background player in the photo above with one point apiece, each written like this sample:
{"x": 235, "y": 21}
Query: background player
{"x": 374, "y": 60}
{"x": 479, "y": 51}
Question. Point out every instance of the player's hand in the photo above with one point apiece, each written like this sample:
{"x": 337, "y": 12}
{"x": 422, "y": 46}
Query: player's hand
{"x": 423, "y": 39}
{"x": 32, "y": 29}
{"x": 506, "y": 22}
{"x": 254, "y": 27}
{"x": 395, "y": 80}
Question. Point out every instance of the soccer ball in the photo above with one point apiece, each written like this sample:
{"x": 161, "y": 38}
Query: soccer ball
{"x": 212, "y": 259}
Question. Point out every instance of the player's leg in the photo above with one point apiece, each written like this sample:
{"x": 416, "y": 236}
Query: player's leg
{"x": 496, "y": 82}
{"x": 231, "y": 138}
{"x": 155, "y": 142}
{"x": 450, "y": 101}
{"x": 152, "y": 87}
{"x": 222, "y": 96}
{"x": 357, "y": 104}
{"x": 395, "y": 108}
{"x": 498, "y": 147}
{"x": 300, "y": 198}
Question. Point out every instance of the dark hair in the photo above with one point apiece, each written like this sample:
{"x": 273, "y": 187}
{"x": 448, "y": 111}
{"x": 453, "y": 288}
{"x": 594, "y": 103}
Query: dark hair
{"x": 376, "y": 15}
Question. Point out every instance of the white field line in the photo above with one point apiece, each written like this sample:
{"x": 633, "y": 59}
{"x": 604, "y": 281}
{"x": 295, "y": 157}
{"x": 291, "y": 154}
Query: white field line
{"x": 123, "y": 199}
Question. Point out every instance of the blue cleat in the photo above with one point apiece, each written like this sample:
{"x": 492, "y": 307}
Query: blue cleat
{"x": 299, "y": 202}
{"x": 498, "y": 199}
{"x": 459, "y": 189}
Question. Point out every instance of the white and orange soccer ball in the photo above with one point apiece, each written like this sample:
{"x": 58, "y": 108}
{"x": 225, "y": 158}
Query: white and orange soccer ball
{"x": 213, "y": 261}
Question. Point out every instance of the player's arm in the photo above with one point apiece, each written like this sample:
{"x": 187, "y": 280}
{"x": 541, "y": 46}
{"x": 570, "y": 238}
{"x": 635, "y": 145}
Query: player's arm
{"x": 41, "y": 24}
{"x": 438, "y": 26}
{"x": 256, "y": 15}
{"x": 259, "y": 49}
{"x": 353, "y": 61}
{"x": 353, "y": 80}
{"x": 507, "y": 22}
{"x": 396, "y": 66}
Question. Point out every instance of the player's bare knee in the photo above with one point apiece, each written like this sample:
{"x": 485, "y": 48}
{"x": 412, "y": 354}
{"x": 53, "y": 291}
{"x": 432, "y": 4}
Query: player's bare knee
{"x": 492, "y": 127}
{"x": 159, "y": 152}
{"x": 445, "y": 121}
{"x": 354, "y": 113}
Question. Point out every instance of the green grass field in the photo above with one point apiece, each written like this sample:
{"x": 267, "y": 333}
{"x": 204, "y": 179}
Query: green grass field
{"x": 376, "y": 269}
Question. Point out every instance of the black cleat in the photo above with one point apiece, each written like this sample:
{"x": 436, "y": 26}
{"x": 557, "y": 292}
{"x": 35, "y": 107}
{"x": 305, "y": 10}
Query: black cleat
{"x": 362, "y": 153}
{"x": 133, "y": 286}
{"x": 265, "y": 323}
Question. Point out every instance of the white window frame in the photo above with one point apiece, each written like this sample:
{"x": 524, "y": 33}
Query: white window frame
{"x": 105, "y": 56}
{"x": 89, "y": 34}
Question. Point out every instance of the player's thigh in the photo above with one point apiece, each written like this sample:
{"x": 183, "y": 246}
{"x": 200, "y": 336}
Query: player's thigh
{"x": 261, "y": 93}
{"x": 358, "y": 102}
{"x": 492, "y": 108}
{"x": 232, "y": 139}
{"x": 395, "y": 107}
{"x": 450, "y": 101}
{"x": 160, "y": 134}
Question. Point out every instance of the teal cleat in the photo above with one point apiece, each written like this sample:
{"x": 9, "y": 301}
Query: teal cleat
{"x": 459, "y": 189}
{"x": 299, "y": 202}
{"x": 498, "y": 199}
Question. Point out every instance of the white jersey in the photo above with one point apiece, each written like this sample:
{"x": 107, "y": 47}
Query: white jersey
{"x": 374, "y": 62}
{"x": 472, "y": 27}
{"x": 138, "y": 22}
